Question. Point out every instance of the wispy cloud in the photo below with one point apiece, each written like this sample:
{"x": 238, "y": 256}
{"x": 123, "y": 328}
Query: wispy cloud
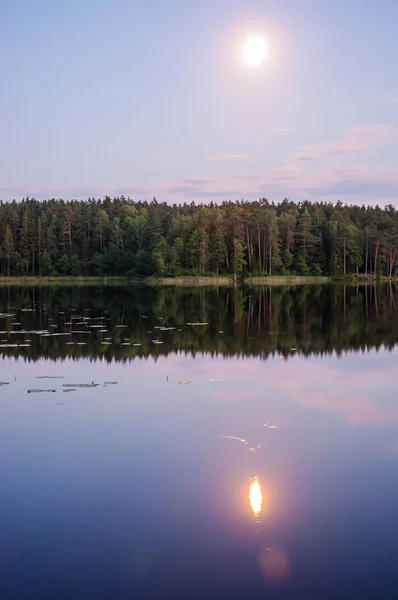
{"x": 360, "y": 184}
{"x": 298, "y": 177}
{"x": 355, "y": 141}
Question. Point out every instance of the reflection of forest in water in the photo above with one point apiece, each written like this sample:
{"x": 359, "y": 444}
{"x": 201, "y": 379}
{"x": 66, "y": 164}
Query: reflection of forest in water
{"x": 241, "y": 322}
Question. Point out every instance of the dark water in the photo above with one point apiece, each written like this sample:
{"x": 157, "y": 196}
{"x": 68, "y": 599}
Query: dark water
{"x": 272, "y": 474}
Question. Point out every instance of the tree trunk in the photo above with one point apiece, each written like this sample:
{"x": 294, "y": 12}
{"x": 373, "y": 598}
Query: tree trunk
{"x": 376, "y": 257}
{"x": 259, "y": 245}
{"x": 100, "y": 228}
{"x": 345, "y": 255}
{"x": 248, "y": 247}
{"x": 392, "y": 261}
{"x": 69, "y": 232}
{"x": 265, "y": 252}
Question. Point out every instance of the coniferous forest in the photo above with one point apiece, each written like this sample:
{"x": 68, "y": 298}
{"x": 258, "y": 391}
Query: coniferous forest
{"x": 118, "y": 236}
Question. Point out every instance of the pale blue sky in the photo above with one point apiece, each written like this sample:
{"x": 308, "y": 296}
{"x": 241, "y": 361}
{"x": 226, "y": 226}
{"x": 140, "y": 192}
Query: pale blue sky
{"x": 150, "y": 97}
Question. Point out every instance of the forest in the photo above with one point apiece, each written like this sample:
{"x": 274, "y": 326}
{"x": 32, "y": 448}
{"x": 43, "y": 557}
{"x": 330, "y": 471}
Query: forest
{"x": 122, "y": 237}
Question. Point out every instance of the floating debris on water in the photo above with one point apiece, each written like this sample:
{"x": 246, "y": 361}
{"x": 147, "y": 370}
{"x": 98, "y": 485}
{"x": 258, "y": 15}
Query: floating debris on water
{"x": 120, "y": 326}
{"x": 137, "y": 344}
{"x": 215, "y": 379}
{"x": 126, "y": 344}
{"x": 4, "y": 383}
{"x": 69, "y": 390}
{"x": 50, "y": 377}
{"x": 232, "y": 437}
{"x": 38, "y": 391}
{"x": 183, "y": 382}
{"x": 196, "y": 324}
{"x": 8, "y": 345}
{"x": 111, "y": 382}
{"x": 80, "y": 385}
{"x": 38, "y": 331}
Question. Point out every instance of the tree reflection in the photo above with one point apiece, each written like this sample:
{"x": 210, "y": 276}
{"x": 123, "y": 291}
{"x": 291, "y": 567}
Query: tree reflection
{"x": 241, "y": 322}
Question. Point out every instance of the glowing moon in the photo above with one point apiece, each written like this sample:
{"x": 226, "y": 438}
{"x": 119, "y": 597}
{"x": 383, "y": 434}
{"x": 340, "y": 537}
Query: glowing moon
{"x": 254, "y": 51}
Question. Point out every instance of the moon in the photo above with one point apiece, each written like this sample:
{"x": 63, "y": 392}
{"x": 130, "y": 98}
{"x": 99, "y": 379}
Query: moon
{"x": 254, "y": 51}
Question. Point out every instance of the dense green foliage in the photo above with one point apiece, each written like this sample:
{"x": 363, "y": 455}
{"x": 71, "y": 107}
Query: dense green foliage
{"x": 121, "y": 237}
{"x": 262, "y": 321}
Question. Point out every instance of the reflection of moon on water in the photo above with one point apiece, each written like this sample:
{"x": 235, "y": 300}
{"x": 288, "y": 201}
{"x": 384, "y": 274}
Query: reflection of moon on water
{"x": 256, "y": 497}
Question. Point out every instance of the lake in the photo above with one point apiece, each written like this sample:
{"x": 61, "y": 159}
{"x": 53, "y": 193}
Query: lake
{"x": 226, "y": 443}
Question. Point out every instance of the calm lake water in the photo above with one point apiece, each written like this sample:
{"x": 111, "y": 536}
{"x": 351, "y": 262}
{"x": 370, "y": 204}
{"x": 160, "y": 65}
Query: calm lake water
{"x": 271, "y": 471}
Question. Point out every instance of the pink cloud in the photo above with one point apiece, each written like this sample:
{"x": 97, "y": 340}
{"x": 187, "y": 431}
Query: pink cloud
{"x": 296, "y": 178}
{"x": 355, "y": 141}
{"x": 350, "y": 184}
{"x": 354, "y": 393}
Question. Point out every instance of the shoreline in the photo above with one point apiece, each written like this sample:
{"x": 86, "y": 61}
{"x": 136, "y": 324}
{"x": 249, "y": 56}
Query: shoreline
{"x": 51, "y": 281}
{"x": 229, "y": 281}
{"x": 191, "y": 281}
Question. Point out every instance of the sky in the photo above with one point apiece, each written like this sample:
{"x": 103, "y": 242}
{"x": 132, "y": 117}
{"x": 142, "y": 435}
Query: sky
{"x": 152, "y": 99}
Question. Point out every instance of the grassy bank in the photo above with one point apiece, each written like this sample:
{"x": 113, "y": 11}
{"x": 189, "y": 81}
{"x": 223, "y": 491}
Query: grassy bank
{"x": 225, "y": 280}
{"x": 286, "y": 280}
{"x": 187, "y": 281}
{"x": 190, "y": 281}
{"x": 51, "y": 281}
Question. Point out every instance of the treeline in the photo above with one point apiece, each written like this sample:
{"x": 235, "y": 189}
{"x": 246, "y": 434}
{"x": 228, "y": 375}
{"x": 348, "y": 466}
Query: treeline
{"x": 121, "y": 237}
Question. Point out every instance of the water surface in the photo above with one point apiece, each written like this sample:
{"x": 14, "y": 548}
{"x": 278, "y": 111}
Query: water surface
{"x": 272, "y": 473}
